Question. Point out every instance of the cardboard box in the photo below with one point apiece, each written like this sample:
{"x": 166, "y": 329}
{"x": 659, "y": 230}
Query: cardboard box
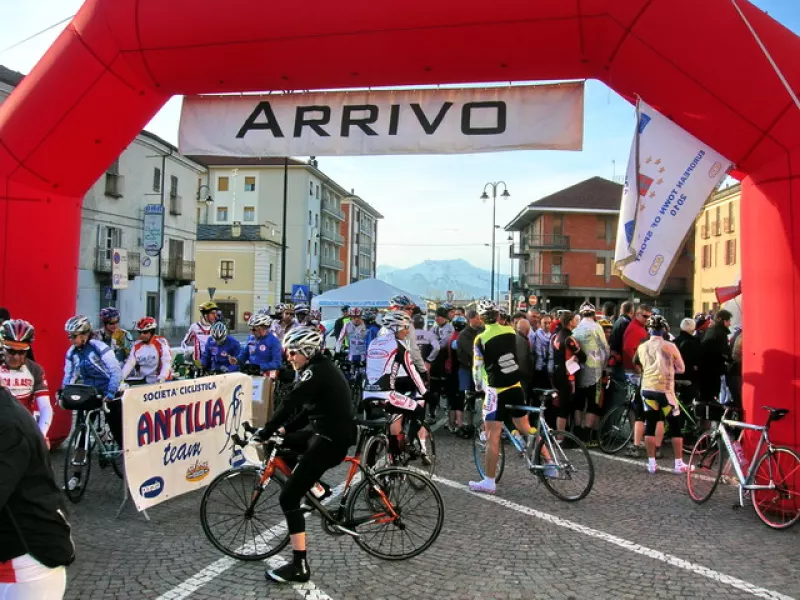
{"x": 262, "y": 400}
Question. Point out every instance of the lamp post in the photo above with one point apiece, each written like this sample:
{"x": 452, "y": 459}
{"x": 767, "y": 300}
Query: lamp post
{"x": 484, "y": 196}
{"x": 208, "y": 199}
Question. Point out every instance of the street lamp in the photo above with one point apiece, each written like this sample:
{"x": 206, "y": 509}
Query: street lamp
{"x": 208, "y": 199}
{"x": 485, "y": 196}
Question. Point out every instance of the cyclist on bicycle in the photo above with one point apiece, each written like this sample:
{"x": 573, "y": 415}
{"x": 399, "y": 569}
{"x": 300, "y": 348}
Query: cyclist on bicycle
{"x": 196, "y": 338}
{"x": 284, "y": 321}
{"x": 373, "y": 329}
{"x": 21, "y": 376}
{"x": 660, "y": 360}
{"x": 262, "y": 348}
{"x": 405, "y": 304}
{"x": 316, "y": 420}
{"x": 221, "y": 348}
{"x": 353, "y": 337}
{"x": 150, "y": 358}
{"x": 391, "y": 375}
{"x": 94, "y": 364}
{"x": 111, "y": 334}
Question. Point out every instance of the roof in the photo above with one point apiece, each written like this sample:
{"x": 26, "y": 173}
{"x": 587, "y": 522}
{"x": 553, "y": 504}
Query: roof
{"x": 594, "y": 195}
{"x": 246, "y": 161}
{"x": 362, "y": 204}
{"x": 12, "y": 78}
{"x": 224, "y": 233}
{"x": 366, "y": 292}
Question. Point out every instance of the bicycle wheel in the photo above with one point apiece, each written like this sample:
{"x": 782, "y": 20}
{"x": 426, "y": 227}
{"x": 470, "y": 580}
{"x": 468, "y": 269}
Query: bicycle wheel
{"x": 77, "y": 463}
{"x": 235, "y": 527}
{"x": 417, "y": 519}
{"x": 574, "y": 471}
{"x": 376, "y": 452}
{"x": 418, "y": 448}
{"x": 616, "y": 429}
{"x": 479, "y": 453}
{"x": 691, "y": 433}
{"x": 778, "y": 508}
{"x": 705, "y": 468}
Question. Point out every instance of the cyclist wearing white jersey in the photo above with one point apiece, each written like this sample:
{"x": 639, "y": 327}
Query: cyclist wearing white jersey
{"x": 149, "y": 361}
{"x": 353, "y": 337}
{"x": 194, "y": 344}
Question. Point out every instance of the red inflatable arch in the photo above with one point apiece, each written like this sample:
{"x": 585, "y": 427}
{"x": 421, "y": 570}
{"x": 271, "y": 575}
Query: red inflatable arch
{"x": 120, "y": 60}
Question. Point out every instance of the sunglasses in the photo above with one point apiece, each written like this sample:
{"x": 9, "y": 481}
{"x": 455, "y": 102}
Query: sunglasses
{"x": 16, "y": 352}
{"x": 292, "y": 353}
{"x": 72, "y": 336}
{"x": 113, "y": 322}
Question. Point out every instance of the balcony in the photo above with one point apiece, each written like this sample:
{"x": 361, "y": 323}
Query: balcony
{"x": 705, "y": 232}
{"x": 547, "y": 280}
{"x": 327, "y": 287}
{"x": 728, "y": 225}
{"x": 548, "y": 242}
{"x": 329, "y": 207}
{"x": 134, "y": 265}
{"x": 515, "y": 252}
{"x": 332, "y": 236}
{"x": 716, "y": 228}
{"x": 177, "y": 269}
{"x": 676, "y": 285}
{"x": 365, "y": 249}
{"x": 103, "y": 262}
{"x": 331, "y": 263}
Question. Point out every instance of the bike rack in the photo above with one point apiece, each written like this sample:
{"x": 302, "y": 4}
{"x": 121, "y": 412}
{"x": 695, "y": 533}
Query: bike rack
{"x": 126, "y": 496}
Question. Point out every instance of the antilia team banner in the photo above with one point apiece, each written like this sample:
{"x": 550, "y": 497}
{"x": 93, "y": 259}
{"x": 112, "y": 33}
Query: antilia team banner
{"x": 421, "y": 121}
{"x": 177, "y": 435}
{"x": 670, "y": 175}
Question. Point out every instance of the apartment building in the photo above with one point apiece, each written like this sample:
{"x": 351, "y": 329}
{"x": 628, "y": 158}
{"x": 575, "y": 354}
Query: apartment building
{"x": 360, "y": 232}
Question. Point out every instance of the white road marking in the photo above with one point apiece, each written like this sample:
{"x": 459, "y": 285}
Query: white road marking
{"x": 669, "y": 559}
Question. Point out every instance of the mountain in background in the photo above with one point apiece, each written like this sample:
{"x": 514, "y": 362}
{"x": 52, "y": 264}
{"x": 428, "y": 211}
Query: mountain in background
{"x": 433, "y": 278}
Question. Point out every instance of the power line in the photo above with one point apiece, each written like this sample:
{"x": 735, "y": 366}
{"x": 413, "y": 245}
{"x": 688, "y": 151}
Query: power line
{"x": 405, "y": 245}
{"x": 38, "y": 33}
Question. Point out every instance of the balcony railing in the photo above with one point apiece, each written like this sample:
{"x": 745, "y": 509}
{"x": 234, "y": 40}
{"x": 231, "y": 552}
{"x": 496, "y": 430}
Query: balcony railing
{"x": 331, "y": 263}
{"x": 547, "y": 280}
{"x": 548, "y": 242}
{"x": 330, "y": 208}
{"x": 515, "y": 251}
{"x": 705, "y": 232}
{"x": 327, "y": 287}
{"x": 332, "y": 236}
{"x": 716, "y": 228}
{"x": 177, "y": 269}
{"x": 134, "y": 265}
{"x": 728, "y": 225}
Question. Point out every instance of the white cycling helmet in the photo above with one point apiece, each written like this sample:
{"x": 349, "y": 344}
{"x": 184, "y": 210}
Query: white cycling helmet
{"x": 259, "y": 320}
{"x": 78, "y": 325}
{"x": 396, "y": 320}
{"x": 486, "y": 307}
{"x": 305, "y": 340}
{"x": 587, "y": 309}
{"x": 219, "y": 331}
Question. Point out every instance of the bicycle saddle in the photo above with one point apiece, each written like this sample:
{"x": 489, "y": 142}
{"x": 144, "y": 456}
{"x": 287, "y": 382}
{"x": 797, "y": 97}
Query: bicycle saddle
{"x": 372, "y": 423}
{"x": 776, "y": 414}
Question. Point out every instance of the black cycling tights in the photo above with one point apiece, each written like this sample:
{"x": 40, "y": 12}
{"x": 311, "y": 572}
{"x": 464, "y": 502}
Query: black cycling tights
{"x": 114, "y": 420}
{"x": 319, "y": 454}
{"x": 653, "y": 417}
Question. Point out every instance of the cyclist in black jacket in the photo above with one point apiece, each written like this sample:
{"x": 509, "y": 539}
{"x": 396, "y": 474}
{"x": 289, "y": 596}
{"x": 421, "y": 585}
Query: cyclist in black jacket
{"x": 35, "y": 542}
{"x": 316, "y": 420}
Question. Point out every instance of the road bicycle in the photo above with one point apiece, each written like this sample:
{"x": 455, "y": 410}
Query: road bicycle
{"x": 392, "y": 513}
{"x": 772, "y": 480}
{"x": 557, "y": 458}
{"x": 91, "y": 431}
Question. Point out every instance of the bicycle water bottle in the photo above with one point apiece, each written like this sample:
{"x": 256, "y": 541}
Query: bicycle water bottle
{"x": 518, "y": 436}
{"x": 741, "y": 456}
{"x": 318, "y": 490}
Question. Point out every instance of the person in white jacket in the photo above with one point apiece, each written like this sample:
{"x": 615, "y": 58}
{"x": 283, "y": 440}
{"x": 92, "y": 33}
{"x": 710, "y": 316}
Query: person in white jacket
{"x": 404, "y": 303}
{"x": 149, "y": 360}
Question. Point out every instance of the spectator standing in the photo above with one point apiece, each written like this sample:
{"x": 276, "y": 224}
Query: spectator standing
{"x": 716, "y": 353}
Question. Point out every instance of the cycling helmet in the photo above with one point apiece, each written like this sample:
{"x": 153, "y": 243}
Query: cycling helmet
{"x": 259, "y": 320}
{"x": 396, "y": 320}
{"x": 356, "y": 312}
{"x": 657, "y": 323}
{"x": 302, "y": 308}
{"x": 587, "y": 309}
{"x": 17, "y": 334}
{"x": 443, "y": 312}
{"x": 447, "y": 305}
{"x": 503, "y": 310}
{"x": 418, "y": 321}
{"x": 208, "y": 306}
{"x": 314, "y": 317}
{"x": 305, "y": 340}
{"x": 485, "y": 307}
{"x": 265, "y": 310}
{"x": 284, "y": 307}
{"x": 459, "y": 322}
{"x": 345, "y": 309}
{"x": 401, "y": 301}
{"x": 370, "y": 316}
{"x": 219, "y": 331}
{"x": 146, "y": 324}
{"x": 108, "y": 314}
{"x": 77, "y": 325}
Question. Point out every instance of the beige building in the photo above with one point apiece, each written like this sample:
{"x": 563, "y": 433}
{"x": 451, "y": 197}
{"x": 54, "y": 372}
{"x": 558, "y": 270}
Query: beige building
{"x": 241, "y": 265}
{"x": 717, "y": 249}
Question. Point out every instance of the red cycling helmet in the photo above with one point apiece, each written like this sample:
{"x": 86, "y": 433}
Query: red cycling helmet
{"x": 146, "y": 324}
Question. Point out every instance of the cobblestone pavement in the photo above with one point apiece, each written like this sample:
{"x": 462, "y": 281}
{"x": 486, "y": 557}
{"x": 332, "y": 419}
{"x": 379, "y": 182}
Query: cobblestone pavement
{"x": 635, "y": 535}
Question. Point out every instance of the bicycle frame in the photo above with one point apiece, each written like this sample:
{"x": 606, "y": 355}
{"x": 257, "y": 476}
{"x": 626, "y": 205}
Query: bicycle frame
{"x": 91, "y": 431}
{"x": 745, "y": 480}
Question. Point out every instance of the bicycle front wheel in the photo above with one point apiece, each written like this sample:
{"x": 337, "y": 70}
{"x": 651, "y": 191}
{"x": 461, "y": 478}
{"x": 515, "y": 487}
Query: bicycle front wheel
{"x": 77, "y": 464}
{"x": 569, "y": 473}
{"x": 705, "y": 468}
{"x": 479, "y": 453}
{"x": 778, "y": 508}
{"x": 398, "y": 520}
{"x": 240, "y": 519}
{"x": 616, "y": 429}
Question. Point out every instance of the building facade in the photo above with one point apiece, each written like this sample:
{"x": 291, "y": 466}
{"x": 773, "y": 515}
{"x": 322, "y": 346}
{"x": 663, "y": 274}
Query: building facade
{"x": 717, "y": 247}
{"x": 360, "y": 233}
{"x": 239, "y": 269}
{"x": 565, "y": 248}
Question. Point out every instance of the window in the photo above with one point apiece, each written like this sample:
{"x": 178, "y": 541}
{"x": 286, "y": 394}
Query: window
{"x": 730, "y": 252}
{"x": 226, "y": 269}
{"x": 717, "y": 228}
{"x": 317, "y": 195}
{"x": 222, "y": 214}
{"x": 173, "y": 186}
{"x": 249, "y": 184}
{"x": 555, "y": 265}
{"x": 316, "y": 221}
{"x": 308, "y": 246}
{"x": 151, "y": 304}
{"x": 600, "y": 266}
{"x": 315, "y": 248}
{"x": 113, "y": 239}
{"x": 706, "y": 260}
{"x": 558, "y": 224}
{"x": 249, "y": 214}
{"x": 601, "y": 229}
{"x": 706, "y": 307}
{"x": 170, "y": 305}
{"x": 310, "y": 219}
{"x": 222, "y": 184}
{"x": 156, "y": 179}
{"x": 729, "y": 224}
{"x": 311, "y": 188}
{"x": 114, "y": 181}
{"x": 270, "y": 271}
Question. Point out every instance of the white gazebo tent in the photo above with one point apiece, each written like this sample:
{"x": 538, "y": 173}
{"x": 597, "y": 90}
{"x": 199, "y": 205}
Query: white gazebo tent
{"x": 364, "y": 293}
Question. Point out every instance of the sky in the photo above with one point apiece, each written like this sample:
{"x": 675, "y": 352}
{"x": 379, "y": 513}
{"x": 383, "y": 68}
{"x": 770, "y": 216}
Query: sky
{"x": 435, "y": 197}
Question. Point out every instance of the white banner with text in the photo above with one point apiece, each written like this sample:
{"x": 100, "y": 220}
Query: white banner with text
{"x": 420, "y": 121}
{"x": 670, "y": 175}
{"x": 177, "y": 435}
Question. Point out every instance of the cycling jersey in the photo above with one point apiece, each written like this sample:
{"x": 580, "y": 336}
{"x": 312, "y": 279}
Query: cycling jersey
{"x": 389, "y": 367}
{"x": 495, "y": 363}
{"x": 29, "y": 385}
{"x": 149, "y": 361}
{"x": 355, "y": 336}
{"x": 94, "y": 364}
{"x": 428, "y": 345}
{"x": 443, "y": 333}
{"x": 120, "y": 342}
{"x": 372, "y": 332}
{"x": 413, "y": 347}
{"x": 264, "y": 352}
{"x": 217, "y": 356}
{"x": 279, "y": 329}
{"x": 196, "y": 339}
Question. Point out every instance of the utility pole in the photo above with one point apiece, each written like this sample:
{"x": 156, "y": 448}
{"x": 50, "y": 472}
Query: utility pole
{"x": 283, "y": 227}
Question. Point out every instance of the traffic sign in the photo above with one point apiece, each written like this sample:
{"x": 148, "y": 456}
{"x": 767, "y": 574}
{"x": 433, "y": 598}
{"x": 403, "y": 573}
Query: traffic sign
{"x": 211, "y": 292}
{"x": 532, "y": 300}
{"x": 300, "y": 294}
